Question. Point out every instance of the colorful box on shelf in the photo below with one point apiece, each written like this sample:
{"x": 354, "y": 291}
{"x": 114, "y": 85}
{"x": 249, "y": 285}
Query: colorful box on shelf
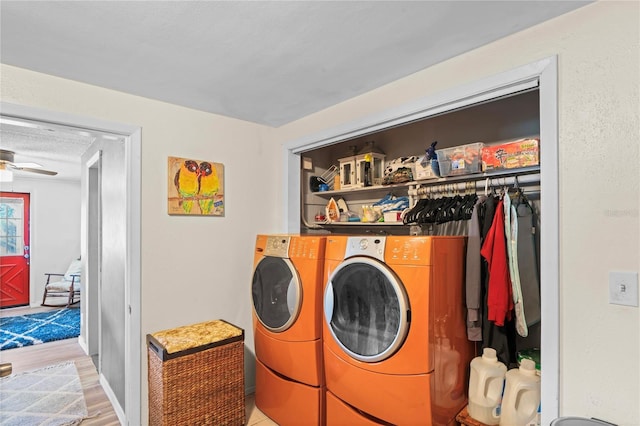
{"x": 511, "y": 155}
{"x": 460, "y": 160}
{"x": 393, "y": 216}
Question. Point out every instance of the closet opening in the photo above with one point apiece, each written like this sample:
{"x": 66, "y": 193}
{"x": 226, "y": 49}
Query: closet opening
{"x": 521, "y": 103}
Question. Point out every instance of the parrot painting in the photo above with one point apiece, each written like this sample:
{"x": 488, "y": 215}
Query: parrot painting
{"x": 208, "y": 186}
{"x": 187, "y": 183}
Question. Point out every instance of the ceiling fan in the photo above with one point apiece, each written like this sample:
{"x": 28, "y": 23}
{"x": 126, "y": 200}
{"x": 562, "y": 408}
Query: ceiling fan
{"x": 7, "y": 166}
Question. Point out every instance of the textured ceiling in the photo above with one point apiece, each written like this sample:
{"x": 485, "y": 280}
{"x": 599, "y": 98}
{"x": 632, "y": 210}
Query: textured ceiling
{"x": 55, "y": 148}
{"x": 268, "y": 62}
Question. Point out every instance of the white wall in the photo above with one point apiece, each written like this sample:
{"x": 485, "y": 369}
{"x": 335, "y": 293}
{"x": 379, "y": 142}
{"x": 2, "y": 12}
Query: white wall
{"x": 598, "y": 50}
{"x": 193, "y": 268}
{"x": 55, "y": 227}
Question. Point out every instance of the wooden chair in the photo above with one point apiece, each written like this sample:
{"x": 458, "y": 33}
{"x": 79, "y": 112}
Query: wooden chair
{"x": 68, "y": 286}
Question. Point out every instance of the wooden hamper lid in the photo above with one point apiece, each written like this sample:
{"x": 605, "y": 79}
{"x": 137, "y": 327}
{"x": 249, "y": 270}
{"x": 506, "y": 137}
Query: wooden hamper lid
{"x": 201, "y": 335}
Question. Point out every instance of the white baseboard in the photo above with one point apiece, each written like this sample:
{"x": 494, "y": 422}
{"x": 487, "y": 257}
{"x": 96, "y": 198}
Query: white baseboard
{"x": 83, "y": 344}
{"x": 114, "y": 401}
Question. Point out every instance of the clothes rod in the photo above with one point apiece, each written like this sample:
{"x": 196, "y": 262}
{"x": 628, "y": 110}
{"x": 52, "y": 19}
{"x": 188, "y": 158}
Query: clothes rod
{"x": 476, "y": 184}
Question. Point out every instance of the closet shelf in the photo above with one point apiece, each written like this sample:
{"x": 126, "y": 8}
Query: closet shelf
{"x": 329, "y": 224}
{"x": 358, "y": 190}
{"x": 432, "y": 182}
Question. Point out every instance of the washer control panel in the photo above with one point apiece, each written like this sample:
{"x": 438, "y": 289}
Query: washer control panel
{"x": 277, "y": 246}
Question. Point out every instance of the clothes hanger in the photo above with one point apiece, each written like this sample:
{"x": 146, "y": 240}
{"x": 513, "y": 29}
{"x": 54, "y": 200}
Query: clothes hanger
{"x": 412, "y": 215}
{"x": 520, "y": 198}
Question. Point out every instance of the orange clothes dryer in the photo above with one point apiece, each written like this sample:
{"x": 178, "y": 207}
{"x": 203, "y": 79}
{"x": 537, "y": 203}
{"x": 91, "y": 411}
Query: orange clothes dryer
{"x": 287, "y": 322}
{"x": 395, "y": 346}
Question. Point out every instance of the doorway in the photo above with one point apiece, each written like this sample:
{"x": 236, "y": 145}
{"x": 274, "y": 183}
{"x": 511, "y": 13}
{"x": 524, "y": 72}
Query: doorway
{"x": 14, "y": 249}
{"x": 126, "y": 393}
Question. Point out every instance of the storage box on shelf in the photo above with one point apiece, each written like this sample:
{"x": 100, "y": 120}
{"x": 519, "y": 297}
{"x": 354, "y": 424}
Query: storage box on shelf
{"x": 424, "y": 169}
{"x": 511, "y": 155}
{"x": 393, "y": 216}
{"x": 460, "y": 160}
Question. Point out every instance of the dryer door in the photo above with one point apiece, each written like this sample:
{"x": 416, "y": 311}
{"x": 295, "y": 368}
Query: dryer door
{"x": 277, "y": 293}
{"x": 366, "y": 309}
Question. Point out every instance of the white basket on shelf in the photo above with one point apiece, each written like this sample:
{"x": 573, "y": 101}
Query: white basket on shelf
{"x": 329, "y": 175}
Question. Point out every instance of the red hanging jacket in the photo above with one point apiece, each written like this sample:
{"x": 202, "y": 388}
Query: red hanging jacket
{"x": 494, "y": 250}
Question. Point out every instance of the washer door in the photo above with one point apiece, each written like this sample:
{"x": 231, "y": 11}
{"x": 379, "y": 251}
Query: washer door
{"x": 277, "y": 293}
{"x": 366, "y": 309}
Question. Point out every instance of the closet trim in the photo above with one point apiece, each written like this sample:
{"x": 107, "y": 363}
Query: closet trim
{"x": 542, "y": 74}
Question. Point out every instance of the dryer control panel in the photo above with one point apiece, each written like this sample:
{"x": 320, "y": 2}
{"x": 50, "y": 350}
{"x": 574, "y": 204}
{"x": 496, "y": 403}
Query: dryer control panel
{"x": 366, "y": 246}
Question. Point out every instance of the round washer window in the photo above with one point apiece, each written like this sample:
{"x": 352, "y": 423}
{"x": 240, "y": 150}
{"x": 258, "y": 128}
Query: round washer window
{"x": 276, "y": 293}
{"x": 366, "y": 309}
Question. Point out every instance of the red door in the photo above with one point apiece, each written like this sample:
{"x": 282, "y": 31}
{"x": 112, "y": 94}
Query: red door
{"x": 14, "y": 249}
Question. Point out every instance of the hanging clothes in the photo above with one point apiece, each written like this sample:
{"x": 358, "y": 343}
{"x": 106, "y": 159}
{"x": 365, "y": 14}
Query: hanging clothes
{"x": 502, "y": 339}
{"x": 511, "y": 237}
{"x": 473, "y": 279}
{"x": 499, "y": 291}
{"x": 528, "y": 258}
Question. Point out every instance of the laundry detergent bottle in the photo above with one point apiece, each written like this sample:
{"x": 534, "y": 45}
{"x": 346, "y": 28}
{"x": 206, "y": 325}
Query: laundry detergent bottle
{"x": 521, "y": 396}
{"x": 486, "y": 383}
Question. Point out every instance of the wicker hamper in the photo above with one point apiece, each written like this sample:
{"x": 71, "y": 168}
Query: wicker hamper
{"x": 196, "y": 375}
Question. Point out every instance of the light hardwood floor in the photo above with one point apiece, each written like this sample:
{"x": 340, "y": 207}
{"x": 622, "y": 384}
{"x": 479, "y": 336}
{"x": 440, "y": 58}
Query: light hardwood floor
{"x": 98, "y": 405}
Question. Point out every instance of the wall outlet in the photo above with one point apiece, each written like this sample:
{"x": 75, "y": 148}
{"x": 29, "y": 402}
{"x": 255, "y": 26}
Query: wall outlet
{"x": 623, "y": 288}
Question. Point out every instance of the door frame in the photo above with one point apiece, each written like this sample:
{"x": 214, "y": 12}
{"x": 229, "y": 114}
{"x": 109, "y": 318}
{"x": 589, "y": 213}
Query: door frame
{"x": 133, "y": 141}
{"x": 542, "y": 74}
{"x": 93, "y": 263}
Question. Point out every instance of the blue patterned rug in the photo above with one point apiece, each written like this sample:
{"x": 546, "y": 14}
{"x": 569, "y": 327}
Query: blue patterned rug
{"x": 33, "y": 329}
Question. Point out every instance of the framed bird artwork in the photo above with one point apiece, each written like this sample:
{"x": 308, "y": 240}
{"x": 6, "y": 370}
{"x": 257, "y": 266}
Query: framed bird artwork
{"x": 196, "y": 187}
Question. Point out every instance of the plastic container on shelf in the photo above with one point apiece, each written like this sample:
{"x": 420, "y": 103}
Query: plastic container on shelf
{"x": 460, "y": 160}
{"x": 425, "y": 170}
{"x": 486, "y": 383}
{"x": 521, "y": 399}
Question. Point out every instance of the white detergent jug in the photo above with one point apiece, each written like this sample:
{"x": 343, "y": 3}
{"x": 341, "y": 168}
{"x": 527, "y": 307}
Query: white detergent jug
{"x": 486, "y": 383}
{"x": 521, "y": 396}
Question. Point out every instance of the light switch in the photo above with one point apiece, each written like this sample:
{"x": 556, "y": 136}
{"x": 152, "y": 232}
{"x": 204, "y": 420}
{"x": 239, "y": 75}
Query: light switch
{"x": 623, "y": 288}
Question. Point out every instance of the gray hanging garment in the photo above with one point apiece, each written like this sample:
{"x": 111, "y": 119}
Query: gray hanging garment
{"x": 473, "y": 277}
{"x": 528, "y": 259}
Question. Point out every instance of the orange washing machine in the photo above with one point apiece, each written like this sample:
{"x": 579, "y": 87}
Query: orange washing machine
{"x": 394, "y": 332}
{"x": 287, "y": 322}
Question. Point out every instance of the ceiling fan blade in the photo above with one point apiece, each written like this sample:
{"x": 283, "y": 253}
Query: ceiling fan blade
{"x": 39, "y": 171}
{"x": 6, "y": 160}
{"x": 30, "y": 165}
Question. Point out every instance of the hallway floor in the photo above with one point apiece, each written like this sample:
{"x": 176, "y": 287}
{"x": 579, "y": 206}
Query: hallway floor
{"x": 37, "y": 356}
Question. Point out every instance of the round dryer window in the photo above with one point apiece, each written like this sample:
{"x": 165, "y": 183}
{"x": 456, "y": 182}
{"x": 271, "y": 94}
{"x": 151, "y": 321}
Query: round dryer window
{"x": 277, "y": 293}
{"x": 366, "y": 308}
